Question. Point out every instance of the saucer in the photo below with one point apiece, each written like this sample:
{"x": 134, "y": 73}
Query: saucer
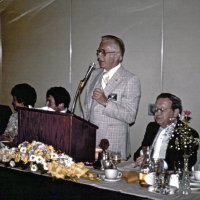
{"x": 110, "y": 180}
{"x": 194, "y": 180}
{"x": 195, "y": 186}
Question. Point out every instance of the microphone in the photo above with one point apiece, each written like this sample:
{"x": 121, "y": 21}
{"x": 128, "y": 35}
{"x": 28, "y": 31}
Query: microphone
{"x": 81, "y": 85}
{"x": 89, "y": 71}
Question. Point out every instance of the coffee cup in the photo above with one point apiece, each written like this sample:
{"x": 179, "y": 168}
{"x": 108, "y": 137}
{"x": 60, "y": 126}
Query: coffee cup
{"x": 112, "y": 174}
{"x": 196, "y": 175}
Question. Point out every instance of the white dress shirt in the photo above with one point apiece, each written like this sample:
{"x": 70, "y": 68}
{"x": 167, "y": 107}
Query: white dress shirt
{"x": 161, "y": 141}
{"x": 107, "y": 75}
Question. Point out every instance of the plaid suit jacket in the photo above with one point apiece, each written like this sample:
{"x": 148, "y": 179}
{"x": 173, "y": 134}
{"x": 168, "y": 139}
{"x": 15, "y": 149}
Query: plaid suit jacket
{"x": 113, "y": 120}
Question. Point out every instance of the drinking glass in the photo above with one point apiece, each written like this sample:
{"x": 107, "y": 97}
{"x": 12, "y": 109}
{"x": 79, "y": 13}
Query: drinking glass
{"x": 116, "y": 157}
{"x": 161, "y": 181}
{"x": 197, "y": 166}
{"x": 178, "y": 169}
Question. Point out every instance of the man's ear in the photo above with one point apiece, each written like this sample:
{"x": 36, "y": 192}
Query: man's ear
{"x": 176, "y": 112}
{"x": 120, "y": 59}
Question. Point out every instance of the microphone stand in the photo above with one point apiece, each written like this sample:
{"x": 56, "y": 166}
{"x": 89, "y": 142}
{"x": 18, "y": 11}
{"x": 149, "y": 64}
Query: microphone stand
{"x": 81, "y": 85}
{"x": 78, "y": 93}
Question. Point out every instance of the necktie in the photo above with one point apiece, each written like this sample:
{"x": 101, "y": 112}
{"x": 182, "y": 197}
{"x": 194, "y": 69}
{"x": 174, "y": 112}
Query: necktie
{"x": 105, "y": 80}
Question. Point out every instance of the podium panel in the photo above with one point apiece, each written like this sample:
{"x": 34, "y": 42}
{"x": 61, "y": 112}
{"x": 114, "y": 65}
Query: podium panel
{"x": 66, "y": 132}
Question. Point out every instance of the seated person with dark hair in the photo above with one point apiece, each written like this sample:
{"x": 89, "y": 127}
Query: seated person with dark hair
{"x": 57, "y": 99}
{"x": 23, "y": 95}
{"x": 5, "y": 113}
{"x": 168, "y": 108}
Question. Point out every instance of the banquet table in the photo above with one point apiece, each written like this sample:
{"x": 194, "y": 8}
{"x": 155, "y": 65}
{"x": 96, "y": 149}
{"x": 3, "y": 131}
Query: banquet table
{"x": 24, "y": 184}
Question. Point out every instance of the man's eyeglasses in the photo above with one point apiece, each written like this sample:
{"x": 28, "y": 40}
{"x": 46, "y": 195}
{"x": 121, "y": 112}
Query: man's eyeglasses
{"x": 155, "y": 110}
{"x": 104, "y": 52}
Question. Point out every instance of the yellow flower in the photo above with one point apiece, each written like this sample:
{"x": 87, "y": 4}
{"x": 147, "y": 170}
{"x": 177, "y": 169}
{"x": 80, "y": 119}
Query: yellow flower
{"x": 50, "y": 148}
{"x": 17, "y": 157}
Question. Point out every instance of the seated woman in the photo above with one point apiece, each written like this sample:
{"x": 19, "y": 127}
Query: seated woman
{"x": 5, "y": 113}
{"x": 23, "y": 95}
{"x": 57, "y": 99}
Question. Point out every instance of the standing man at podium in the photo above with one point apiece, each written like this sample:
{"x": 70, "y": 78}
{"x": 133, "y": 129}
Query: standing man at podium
{"x": 112, "y": 96}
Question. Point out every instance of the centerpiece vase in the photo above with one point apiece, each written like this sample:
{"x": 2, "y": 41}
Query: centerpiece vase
{"x": 184, "y": 187}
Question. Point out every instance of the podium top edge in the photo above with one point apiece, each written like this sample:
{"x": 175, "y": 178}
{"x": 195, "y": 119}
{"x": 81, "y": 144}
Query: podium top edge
{"x": 21, "y": 109}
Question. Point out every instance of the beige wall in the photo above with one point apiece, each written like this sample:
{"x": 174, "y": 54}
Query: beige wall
{"x": 48, "y": 43}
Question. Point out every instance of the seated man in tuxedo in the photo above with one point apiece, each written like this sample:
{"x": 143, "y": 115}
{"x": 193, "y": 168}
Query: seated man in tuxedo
{"x": 161, "y": 135}
{"x": 5, "y": 113}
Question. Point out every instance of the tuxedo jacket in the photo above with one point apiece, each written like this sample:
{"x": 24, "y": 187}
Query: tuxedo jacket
{"x": 5, "y": 113}
{"x": 172, "y": 154}
{"x": 123, "y": 93}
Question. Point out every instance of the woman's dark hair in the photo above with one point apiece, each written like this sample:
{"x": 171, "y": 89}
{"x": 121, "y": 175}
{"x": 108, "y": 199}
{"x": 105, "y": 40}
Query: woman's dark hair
{"x": 176, "y": 101}
{"x": 60, "y": 95}
{"x": 25, "y": 94}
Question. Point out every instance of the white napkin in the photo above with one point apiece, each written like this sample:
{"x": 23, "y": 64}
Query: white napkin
{"x": 46, "y": 108}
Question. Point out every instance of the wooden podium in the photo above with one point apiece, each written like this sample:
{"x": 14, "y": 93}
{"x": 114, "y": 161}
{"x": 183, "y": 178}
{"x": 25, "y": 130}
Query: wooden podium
{"x": 66, "y": 132}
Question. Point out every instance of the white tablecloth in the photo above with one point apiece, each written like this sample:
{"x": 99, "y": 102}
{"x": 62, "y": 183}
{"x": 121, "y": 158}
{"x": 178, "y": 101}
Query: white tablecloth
{"x": 134, "y": 188}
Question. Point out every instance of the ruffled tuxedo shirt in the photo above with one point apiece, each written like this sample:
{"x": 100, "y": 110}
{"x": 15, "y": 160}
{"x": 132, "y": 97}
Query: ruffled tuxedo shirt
{"x": 172, "y": 154}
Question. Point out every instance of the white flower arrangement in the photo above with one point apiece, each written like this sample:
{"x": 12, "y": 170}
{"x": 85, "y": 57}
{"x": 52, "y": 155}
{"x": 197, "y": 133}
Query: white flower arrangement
{"x": 185, "y": 141}
{"x": 38, "y": 156}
